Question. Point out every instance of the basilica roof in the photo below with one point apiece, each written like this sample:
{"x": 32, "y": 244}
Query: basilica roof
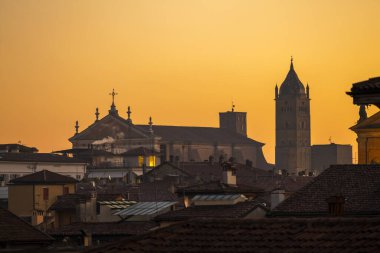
{"x": 292, "y": 84}
{"x": 113, "y": 127}
{"x": 199, "y": 134}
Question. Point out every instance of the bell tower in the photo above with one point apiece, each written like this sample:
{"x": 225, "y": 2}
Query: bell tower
{"x": 293, "y": 151}
{"x": 232, "y": 121}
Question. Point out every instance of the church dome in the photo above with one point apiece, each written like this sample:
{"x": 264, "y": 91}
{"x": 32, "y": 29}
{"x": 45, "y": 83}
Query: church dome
{"x": 292, "y": 84}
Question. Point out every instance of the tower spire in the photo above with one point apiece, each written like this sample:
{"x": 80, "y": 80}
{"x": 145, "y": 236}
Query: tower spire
{"x": 113, "y": 110}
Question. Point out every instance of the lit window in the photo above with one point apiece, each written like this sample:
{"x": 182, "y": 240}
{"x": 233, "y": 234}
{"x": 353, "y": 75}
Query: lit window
{"x": 141, "y": 161}
{"x": 152, "y": 161}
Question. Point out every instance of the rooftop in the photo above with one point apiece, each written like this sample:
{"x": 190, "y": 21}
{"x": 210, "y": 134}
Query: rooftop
{"x": 105, "y": 228}
{"x": 146, "y": 208}
{"x": 238, "y": 210}
{"x": 15, "y": 230}
{"x": 44, "y": 177}
{"x": 366, "y": 92}
{"x": 37, "y": 158}
{"x": 217, "y": 187}
{"x": 358, "y": 184}
{"x": 15, "y": 147}
{"x": 292, "y": 84}
{"x": 314, "y": 235}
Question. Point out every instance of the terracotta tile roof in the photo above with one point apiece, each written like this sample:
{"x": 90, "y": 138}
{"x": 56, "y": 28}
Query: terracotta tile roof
{"x": 238, "y": 210}
{"x": 217, "y": 187}
{"x": 327, "y": 235}
{"x": 166, "y": 169}
{"x": 68, "y": 202}
{"x": 15, "y": 230}
{"x": 85, "y": 152}
{"x": 44, "y": 177}
{"x": 105, "y": 228}
{"x": 199, "y": 134}
{"x": 139, "y": 151}
{"x": 160, "y": 190}
{"x": 17, "y": 147}
{"x": 246, "y": 175}
{"x": 358, "y": 184}
{"x": 118, "y": 128}
{"x": 37, "y": 157}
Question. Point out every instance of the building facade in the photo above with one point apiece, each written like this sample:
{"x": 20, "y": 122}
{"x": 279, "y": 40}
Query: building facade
{"x": 32, "y": 195}
{"x": 293, "y": 152}
{"x": 134, "y": 145}
{"x": 323, "y": 156}
{"x": 14, "y": 165}
{"x": 367, "y": 93}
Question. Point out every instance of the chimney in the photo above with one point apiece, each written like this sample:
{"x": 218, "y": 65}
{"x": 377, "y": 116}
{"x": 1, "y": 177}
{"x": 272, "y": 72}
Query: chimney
{"x": 87, "y": 238}
{"x": 336, "y": 205}
{"x": 186, "y": 201}
{"x": 229, "y": 174}
{"x": 276, "y": 197}
{"x": 211, "y": 159}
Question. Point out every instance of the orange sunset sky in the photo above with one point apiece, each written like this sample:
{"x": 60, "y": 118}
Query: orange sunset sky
{"x": 180, "y": 62}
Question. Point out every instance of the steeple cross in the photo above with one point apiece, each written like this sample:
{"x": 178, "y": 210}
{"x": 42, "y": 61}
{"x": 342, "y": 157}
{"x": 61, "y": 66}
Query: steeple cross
{"x": 97, "y": 113}
{"x": 129, "y": 112}
{"x": 76, "y": 127}
{"x": 113, "y": 94}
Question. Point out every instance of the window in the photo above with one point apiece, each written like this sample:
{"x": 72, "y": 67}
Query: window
{"x": 152, "y": 161}
{"x": 141, "y": 160}
{"x": 65, "y": 190}
{"x": 78, "y": 177}
{"x": 45, "y": 193}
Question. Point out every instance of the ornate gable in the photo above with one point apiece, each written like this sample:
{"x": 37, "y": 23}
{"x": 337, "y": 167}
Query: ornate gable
{"x": 112, "y": 126}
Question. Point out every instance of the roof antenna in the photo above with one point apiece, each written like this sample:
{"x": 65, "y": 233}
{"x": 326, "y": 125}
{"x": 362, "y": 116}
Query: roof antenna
{"x": 233, "y": 106}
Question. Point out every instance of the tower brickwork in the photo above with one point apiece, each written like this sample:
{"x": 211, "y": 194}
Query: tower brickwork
{"x": 293, "y": 147}
{"x": 235, "y": 122}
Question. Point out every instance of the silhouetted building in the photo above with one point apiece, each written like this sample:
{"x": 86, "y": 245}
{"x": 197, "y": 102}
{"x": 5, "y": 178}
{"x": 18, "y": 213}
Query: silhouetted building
{"x": 293, "y": 152}
{"x": 16, "y": 148}
{"x": 367, "y": 128}
{"x": 323, "y": 156}
{"x": 124, "y": 141}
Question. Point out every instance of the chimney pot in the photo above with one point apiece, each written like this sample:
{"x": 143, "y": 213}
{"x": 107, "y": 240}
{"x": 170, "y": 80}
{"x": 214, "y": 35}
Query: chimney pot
{"x": 336, "y": 205}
